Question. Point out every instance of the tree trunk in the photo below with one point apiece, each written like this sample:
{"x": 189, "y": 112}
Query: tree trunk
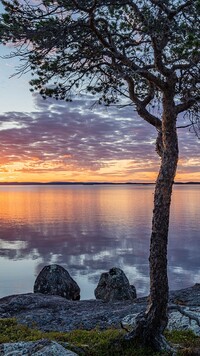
{"x": 150, "y": 325}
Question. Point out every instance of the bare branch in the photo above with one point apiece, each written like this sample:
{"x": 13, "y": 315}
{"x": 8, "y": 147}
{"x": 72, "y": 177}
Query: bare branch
{"x": 184, "y": 126}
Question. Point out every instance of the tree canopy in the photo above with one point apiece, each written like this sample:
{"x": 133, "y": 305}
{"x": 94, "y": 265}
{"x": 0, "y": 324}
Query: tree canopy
{"x": 110, "y": 48}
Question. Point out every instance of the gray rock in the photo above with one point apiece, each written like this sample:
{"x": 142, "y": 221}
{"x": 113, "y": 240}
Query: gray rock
{"x": 54, "y": 313}
{"x": 186, "y": 318}
{"x": 184, "y": 311}
{"x": 55, "y": 280}
{"x": 114, "y": 286}
{"x": 186, "y": 296}
{"x": 36, "y": 348}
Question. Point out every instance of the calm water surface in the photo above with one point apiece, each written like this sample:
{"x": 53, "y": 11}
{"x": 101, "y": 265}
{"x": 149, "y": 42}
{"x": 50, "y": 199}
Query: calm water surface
{"x": 88, "y": 230}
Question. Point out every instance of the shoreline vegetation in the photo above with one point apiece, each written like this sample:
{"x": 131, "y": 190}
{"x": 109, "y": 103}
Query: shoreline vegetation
{"x": 15, "y": 338}
{"x": 89, "y": 183}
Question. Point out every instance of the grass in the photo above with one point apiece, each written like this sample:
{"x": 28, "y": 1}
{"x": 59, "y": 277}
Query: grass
{"x": 189, "y": 342}
{"x": 95, "y": 342}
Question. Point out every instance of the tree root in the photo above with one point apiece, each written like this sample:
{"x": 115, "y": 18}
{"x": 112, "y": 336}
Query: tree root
{"x": 184, "y": 312}
{"x": 144, "y": 335}
{"x": 157, "y": 343}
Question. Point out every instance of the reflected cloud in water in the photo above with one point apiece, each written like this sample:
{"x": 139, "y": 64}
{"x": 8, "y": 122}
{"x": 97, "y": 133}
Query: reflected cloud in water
{"x": 89, "y": 229}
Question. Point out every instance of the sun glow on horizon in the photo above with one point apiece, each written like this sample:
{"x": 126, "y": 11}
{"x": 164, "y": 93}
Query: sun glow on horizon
{"x": 120, "y": 171}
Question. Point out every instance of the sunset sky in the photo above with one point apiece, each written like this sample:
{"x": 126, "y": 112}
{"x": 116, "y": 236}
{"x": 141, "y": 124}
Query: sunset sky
{"x": 43, "y": 141}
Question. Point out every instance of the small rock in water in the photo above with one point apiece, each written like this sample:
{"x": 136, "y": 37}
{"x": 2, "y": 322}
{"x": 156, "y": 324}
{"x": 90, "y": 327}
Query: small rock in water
{"x": 114, "y": 286}
{"x": 55, "y": 280}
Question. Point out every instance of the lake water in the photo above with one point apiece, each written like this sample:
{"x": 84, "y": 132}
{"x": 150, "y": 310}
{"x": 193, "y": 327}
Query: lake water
{"x": 89, "y": 229}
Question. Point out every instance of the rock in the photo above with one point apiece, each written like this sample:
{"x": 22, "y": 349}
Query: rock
{"x": 55, "y": 280}
{"x": 186, "y": 296}
{"x": 54, "y": 313}
{"x": 114, "y": 285}
{"x": 181, "y": 317}
{"x": 36, "y": 348}
{"x": 178, "y": 321}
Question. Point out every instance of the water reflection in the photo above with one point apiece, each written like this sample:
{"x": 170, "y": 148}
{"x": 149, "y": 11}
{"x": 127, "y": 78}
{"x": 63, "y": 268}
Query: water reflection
{"x": 89, "y": 229}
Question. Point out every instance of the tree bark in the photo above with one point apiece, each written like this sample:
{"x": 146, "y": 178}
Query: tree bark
{"x": 150, "y": 326}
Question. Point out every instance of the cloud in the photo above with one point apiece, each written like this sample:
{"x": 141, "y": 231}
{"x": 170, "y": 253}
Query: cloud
{"x": 80, "y": 136}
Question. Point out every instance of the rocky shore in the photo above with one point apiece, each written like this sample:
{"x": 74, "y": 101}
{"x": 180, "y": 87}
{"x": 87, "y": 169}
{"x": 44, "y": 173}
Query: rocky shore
{"x": 117, "y": 308}
{"x": 54, "y": 313}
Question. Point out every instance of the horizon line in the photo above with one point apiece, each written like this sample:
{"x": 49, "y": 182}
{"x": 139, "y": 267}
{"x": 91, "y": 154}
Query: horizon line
{"x": 88, "y": 183}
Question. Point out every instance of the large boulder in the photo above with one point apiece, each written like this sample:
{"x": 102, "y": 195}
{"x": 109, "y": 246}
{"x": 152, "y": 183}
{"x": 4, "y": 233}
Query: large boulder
{"x": 55, "y": 280}
{"x": 114, "y": 286}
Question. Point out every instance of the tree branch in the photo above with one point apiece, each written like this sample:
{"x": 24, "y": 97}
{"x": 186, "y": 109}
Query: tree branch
{"x": 124, "y": 59}
{"x": 150, "y": 95}
{"x": 141, "y": 109}
{"x": 171, "y": 13}
{"x": 180, "y": 8}
{"x": 185, "y": 106}
{"x": 162, "y": 6}
{"x": 184, "y": 126}
{"x": 158, "y": 53}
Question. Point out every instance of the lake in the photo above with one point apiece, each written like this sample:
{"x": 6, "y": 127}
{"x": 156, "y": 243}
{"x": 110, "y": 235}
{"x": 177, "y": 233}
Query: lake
{"x": 90, "y": 228}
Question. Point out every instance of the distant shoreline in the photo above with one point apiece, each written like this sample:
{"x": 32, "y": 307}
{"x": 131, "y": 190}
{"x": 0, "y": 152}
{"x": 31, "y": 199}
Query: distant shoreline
{"x": 87, "y": 183}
